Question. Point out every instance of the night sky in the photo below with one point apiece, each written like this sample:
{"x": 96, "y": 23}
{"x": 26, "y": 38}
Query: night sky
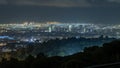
{"x": 66, "y": 11}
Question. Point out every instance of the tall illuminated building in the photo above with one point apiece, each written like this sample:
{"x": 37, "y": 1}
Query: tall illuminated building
{"x": 50, "y": 29}
{"x": 70, "y": 28}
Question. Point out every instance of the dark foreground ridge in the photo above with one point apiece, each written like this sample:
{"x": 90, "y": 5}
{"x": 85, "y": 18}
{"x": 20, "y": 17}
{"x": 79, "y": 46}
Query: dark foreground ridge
{"x": 107, "y": 56}
{"x": 109, "y": 65}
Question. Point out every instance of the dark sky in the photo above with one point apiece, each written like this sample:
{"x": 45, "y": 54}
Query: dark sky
{"x": 90, "y": 11}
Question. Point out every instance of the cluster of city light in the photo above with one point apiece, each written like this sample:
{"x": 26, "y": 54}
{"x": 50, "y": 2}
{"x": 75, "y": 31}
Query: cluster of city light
{"x": 38, "y": 24}
{"x": 42, "y": 32}
{"x": 80, "y": 28}
{"x": 3, "y": 44}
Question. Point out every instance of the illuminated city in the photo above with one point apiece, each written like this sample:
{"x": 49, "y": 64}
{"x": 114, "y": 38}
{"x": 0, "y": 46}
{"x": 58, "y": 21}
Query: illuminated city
{"x": 31, "y": 31}
{"x": 59, "y": 33}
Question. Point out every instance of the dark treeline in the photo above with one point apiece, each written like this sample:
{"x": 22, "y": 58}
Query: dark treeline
{"x": 64, "y": 47}
{"x": 108, "y": 53}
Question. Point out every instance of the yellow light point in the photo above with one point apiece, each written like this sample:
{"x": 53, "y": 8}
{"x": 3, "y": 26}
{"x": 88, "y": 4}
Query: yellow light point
{"x": 52, "y": 22}
{"x": 3, "y": 44}
{"x": 25, "y": 23}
